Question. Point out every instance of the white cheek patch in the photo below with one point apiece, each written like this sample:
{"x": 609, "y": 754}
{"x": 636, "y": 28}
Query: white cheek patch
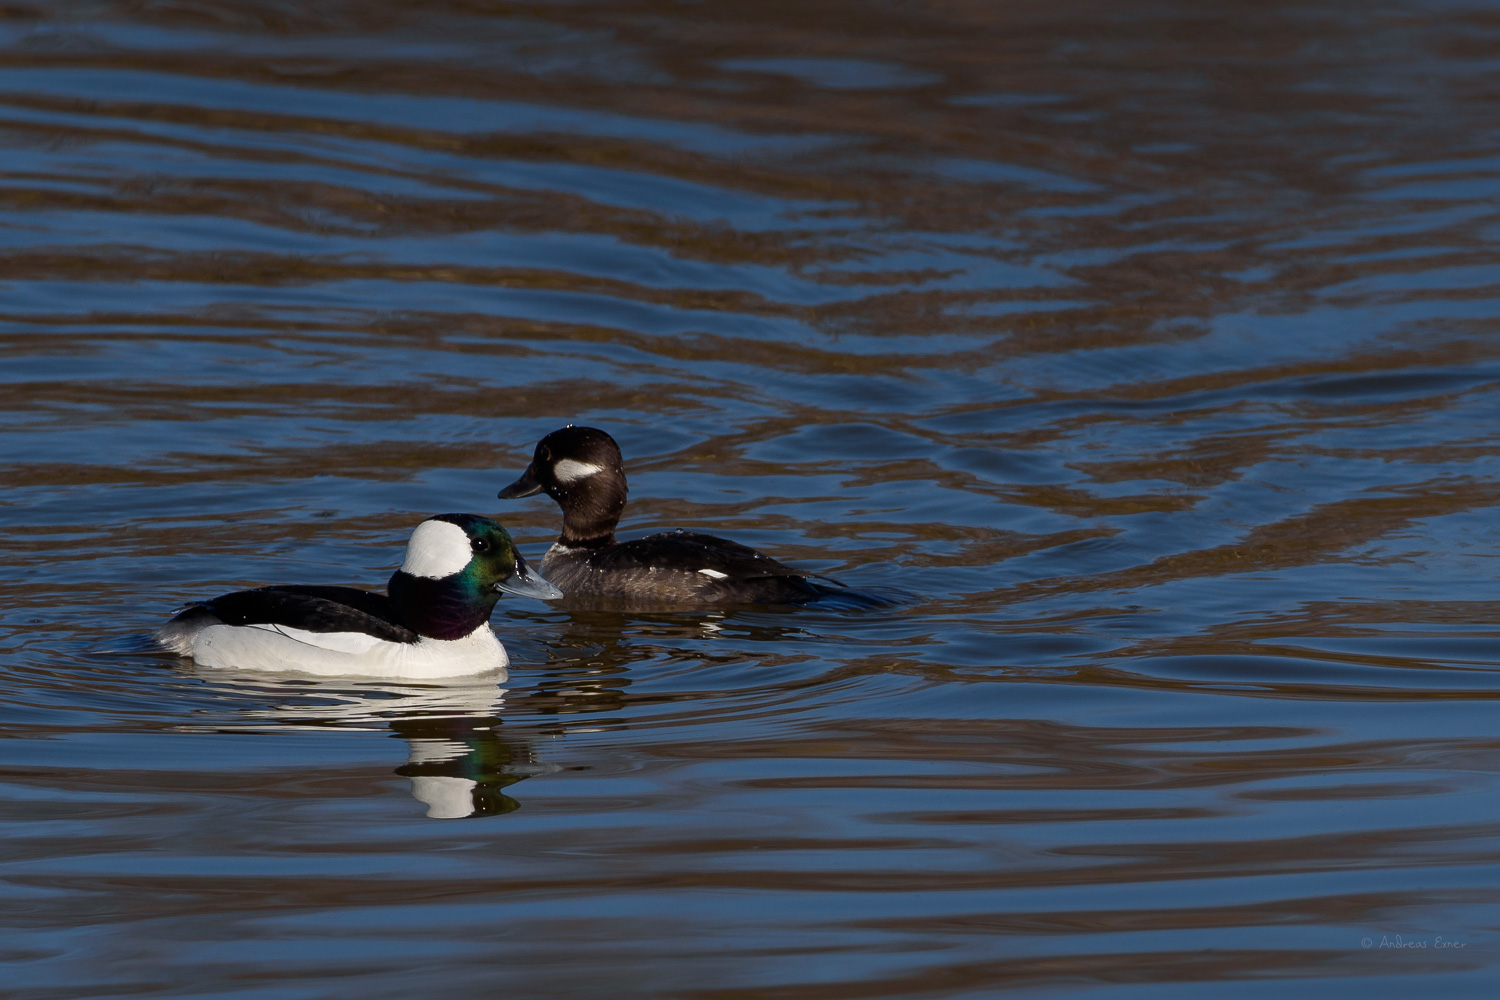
{"x": 713, "y": 574}
{"x": 437, "y": 549}
{"x": 569, "y": 471}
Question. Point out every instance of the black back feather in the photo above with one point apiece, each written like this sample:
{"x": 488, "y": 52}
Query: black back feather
{"x": 748, "y": 576}
{"x": 313, "y": 609}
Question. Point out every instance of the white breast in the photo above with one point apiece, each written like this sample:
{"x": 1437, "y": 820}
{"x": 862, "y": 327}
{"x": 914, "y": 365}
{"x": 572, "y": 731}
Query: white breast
{"x": 346, "y": 654}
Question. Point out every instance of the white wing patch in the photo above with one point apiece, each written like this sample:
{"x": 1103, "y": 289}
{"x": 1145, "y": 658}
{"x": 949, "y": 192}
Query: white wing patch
{"x": 437, "y": 549}
{"x": 568, "y": 470}
{"x": 713, "y": 574}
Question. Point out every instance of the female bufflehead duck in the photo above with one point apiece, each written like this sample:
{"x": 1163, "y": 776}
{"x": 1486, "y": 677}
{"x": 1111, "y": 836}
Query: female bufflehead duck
{"x": 580, "y": 468}
{"x": 432, "y": 622}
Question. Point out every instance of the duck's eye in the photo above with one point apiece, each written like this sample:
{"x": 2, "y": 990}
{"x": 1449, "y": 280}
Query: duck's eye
{"x": 480, "y": 545}
{"x": 544, "y": 453}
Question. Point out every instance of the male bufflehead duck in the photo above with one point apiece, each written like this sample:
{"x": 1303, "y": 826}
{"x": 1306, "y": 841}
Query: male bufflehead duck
{"x": 432, "y": 622}
{"x": 581, "y": 468}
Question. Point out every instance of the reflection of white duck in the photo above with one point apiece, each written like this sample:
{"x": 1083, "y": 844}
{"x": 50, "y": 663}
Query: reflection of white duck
{"x": 459, "y": 758}
{"x": 462, "y": 774}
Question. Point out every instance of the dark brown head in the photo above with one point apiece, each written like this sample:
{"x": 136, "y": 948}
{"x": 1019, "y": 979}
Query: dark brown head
{"x": 580, "y": 468}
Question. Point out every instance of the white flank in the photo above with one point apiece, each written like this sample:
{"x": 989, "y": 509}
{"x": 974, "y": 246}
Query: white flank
{"x": 568, "y": 471}
{"x": 346, "y": 654}
{"x": 437, "y": 549}
{"x": 713, "y": 574}
{"x": 337, "y": 642}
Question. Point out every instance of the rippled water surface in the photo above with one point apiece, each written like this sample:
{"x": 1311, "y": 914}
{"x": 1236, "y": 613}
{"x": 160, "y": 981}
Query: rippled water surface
{"x": 1151, "y": 348}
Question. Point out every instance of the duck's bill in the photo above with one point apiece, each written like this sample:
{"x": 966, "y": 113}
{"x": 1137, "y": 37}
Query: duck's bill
{"x": 526, "y": 486}
{"x": 527, "y": 582}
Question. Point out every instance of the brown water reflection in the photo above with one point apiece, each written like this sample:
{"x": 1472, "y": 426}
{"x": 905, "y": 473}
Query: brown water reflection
{"x": 1148, "y": 349}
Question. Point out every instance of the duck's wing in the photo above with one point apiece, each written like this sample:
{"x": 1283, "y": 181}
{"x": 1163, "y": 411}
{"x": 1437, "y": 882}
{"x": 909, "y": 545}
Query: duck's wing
{"x": 312, "y": 609}
{"x": 694, "y": 552}
{"x": 722, "y": 570}
{"x": 678, "y": 566}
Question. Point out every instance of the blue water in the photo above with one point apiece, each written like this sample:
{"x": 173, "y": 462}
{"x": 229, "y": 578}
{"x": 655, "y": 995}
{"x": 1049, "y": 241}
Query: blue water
{"x": 1151, "y": 352}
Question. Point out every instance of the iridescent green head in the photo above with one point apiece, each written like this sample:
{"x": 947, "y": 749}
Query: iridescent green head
{"x": 456, "y": 567}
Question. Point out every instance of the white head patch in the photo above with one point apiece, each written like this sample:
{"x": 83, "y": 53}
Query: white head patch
{"x": 437, "y": 549}
{"x": 568, "y": 470}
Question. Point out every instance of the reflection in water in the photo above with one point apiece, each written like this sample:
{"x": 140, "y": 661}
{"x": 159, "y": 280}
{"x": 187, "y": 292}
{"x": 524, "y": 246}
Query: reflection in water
{"x": 459, "y": 767}
{"x": 460, "y": 756}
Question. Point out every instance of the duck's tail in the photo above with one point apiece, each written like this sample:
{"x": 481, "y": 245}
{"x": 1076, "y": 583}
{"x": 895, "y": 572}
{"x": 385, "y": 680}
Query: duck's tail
{"x": 834, "y": 595}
